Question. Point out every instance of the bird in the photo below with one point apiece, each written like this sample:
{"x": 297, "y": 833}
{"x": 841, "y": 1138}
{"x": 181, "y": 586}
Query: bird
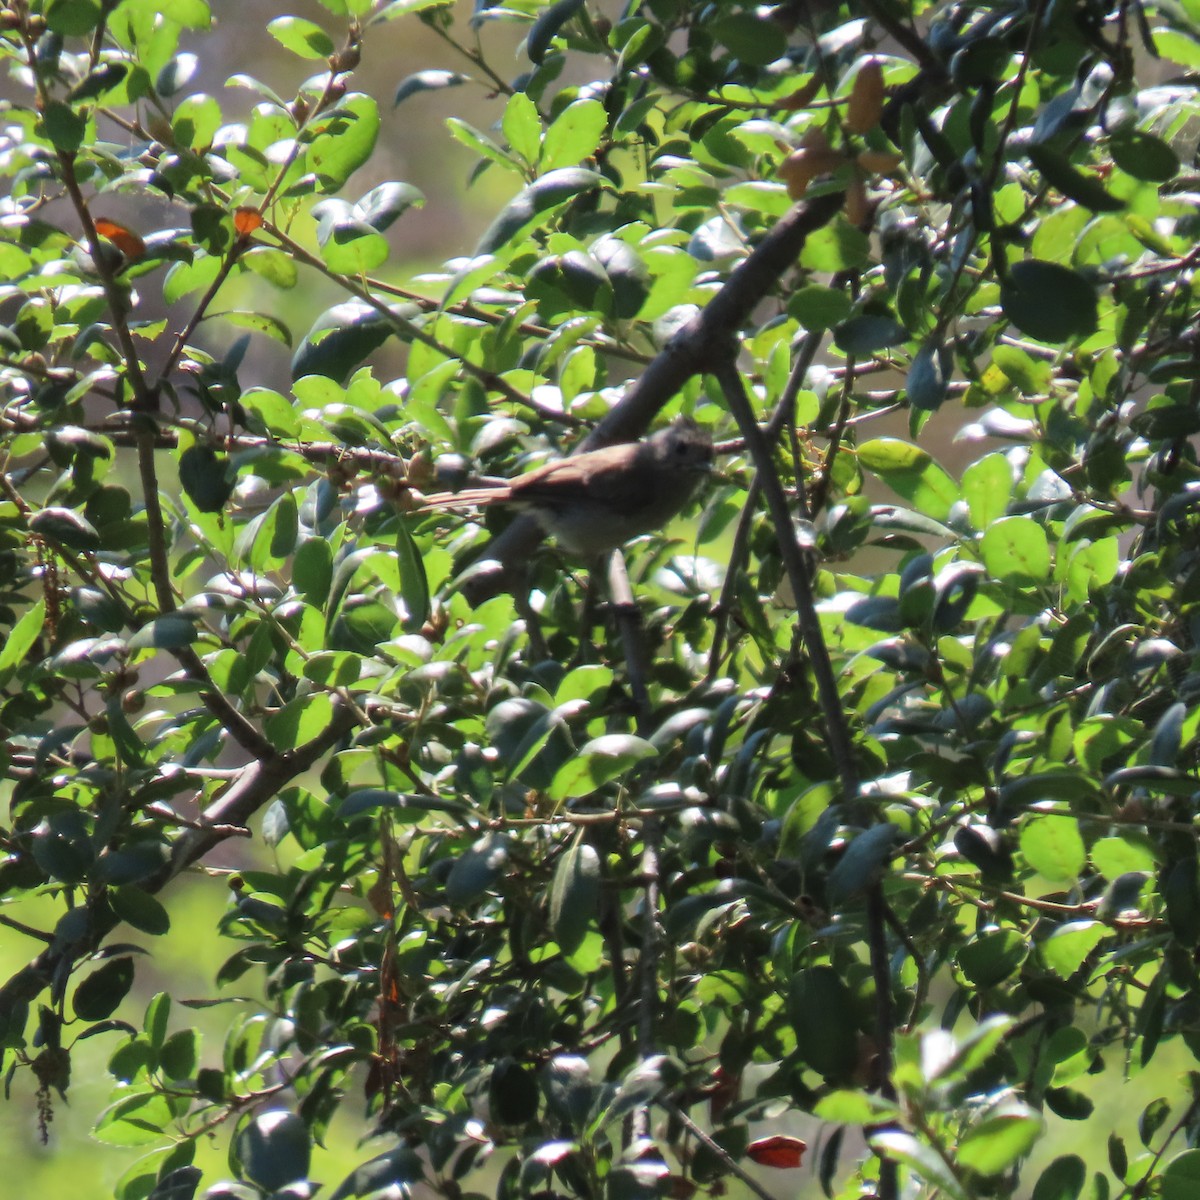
{"x": 594, "y": 502}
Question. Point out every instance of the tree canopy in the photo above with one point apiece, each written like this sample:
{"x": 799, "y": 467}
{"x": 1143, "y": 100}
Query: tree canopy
{"x": 856, "y": 807}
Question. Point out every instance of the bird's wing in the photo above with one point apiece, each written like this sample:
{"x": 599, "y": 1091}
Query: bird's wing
{"x": 600, "y": 477}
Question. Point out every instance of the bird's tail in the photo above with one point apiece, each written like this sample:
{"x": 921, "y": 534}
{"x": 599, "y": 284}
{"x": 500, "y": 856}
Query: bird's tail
{"x": 467, "y": 498}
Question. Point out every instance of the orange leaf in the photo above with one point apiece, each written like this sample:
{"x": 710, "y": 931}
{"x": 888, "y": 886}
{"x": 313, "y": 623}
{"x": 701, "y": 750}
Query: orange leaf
{"x": 802, "y": 97}
{"x": 246, "y": 221}
{"x": 802, "y": 166}
{"x": 866, "y": 98}
{"x": 779, "y": 1150}
{"x": 124, "y": 239}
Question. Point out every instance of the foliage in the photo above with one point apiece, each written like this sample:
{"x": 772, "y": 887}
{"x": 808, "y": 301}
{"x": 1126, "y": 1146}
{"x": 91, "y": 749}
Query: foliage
{"x": 885, "y": 811}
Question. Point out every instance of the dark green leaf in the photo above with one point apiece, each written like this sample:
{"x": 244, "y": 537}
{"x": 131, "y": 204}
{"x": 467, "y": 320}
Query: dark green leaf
{"x": 535, "y": 201}
{"x": 1049, "y": 302}
{"x": 861, "y": 863}
{"x": 868, "y": 333}
{"x": 1074, "y": 184}
{"x": 1063, "y": 1179}
{"x": 574, "y": 892}
{"x": 1144, "y": 156}
{"x": 65, "y": 527}
{"x": 549, "y": 21}
{"x": 140, "y": 909}
{"x": 512, "y": 1092}
{"x": 207, "y": 477}
{"x": 478, "y": 869}
{"x": 273, "y": 1148}
{"x": 821, "y": 1010}
{"x": 340, "y": 339}
{"x": 98, "y": 996}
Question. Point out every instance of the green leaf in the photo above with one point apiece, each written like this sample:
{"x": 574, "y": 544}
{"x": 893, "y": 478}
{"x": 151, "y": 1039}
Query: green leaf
{"x": 921, "y": 1159}
{"x": 1053, "y": 847}
{"x": 262, "y": 323}
{"x": 275, "y": 266}
{"x": 157, "y": 1018}
{"x": 21, "y": 637}
{"x": 299, "y": 720}
{"x": 1180, "y": 1179}
{"x": 304, "y": 38}
{"x": 397, "y": 1172}
{"x": 574, "y": 136}
{"x": 312, "y": 571}
{"x": 414, "y": 584}
{"x": 754, "y": 40}
{"x": 1066, "y": 949}
{"x": 352, "y": 247}
{"x": 340, "y": 339}
{"x": 106, "y": 77}
{"x": 927, "y": 377}
{"x": 869, "y": 333}
{"x": 836, "y": 247}
{"x": 1016, "y": 549}
{"x": 1049, "y": 302}
{"x": 176, "y": 75}
{"x": 164, "y": 633}
{"x": 861, "y": 862}
{"x": 818, "y": 307}
{"x": 997, "y": 1142}
{"x": 987, "y": 485}
{"x": 1062, "y": 1180}
{"x": 522, "y": 126}
{"x": 345, "y": 141}
{"x": 179, "y": 1054}
{"x": 138, "y": 1120}
{"x": 382, "y": 205}
{"x": 912, "y": 473}
{"x": 574, "y": 892}
{"x": 844, "y": 1107}
{"x": 73, "y": 18}
{"x": 184, "y": 278}
{"x": 603, "y": 759}
{"x": 992, "y": 956}
{"x": 1032, "y": 377}
{"x": 627, "y": 274}
{"x": 99, "y": 995}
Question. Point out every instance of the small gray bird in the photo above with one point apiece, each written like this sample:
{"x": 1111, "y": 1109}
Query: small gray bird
{"x": 594, "y": 502}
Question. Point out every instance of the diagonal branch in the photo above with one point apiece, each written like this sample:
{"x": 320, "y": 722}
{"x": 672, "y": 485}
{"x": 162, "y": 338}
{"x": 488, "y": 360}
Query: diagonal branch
{"x": 256, "y": 784}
